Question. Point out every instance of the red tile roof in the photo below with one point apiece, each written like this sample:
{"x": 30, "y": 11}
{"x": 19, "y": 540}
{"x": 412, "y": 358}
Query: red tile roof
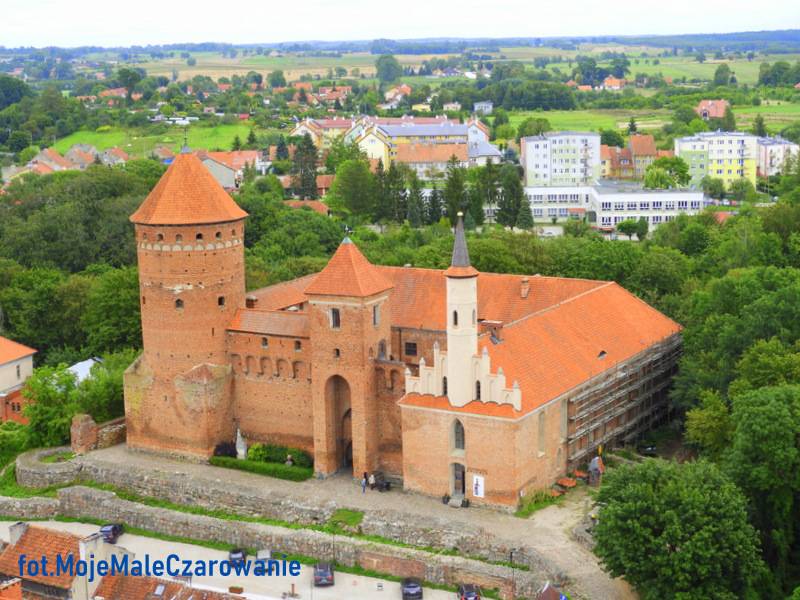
{"x": 187, "y": 194}
{"x": 235, "y": 159}
{"x": 271, "y": 322}
{"x": 643, "y": 145}
{"x": 324, "y": 182}
{"x": 38, "y": 542}
{"x": 430, "y": 153}
{"x": 10, "y": 351}
{"x": 314, "y": 205}
{"x": 348, "y": 273}
{"x": 715, "y": 109}
{"x": 121, "y": 587}
{"x": 52, "y": 155}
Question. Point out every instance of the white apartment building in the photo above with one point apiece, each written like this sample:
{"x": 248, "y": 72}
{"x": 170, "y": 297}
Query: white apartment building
{"x": 563, "y": 158}
{"x": 605, "y": 205}
{"x": 773, "y": 153}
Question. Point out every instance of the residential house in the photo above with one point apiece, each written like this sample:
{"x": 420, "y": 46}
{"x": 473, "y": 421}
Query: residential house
{"x": 421, "y": 107}
{"x": 362, "y": 123}
{"x": 53, "y": 159}
{"x": 483, "y": 108}
{"x": 613, "y": 83}
{"x": 616, "y": 163}
{"x": 430, "y": 160}
{"x": 164, "y": 154}
{"x": 323, "y": 131}
{"x": 773, "y": 155}
{"x": 561, "y": 158}
{"x": 726, "y": 155}
{"x": 16, "y": 365}
{"x": 644, "y": 152}
{"x": 712, "y": 109}
{"x": 451, "y": 106}
{"x": 37, "y": 542}
{"x": 393, "y": 96}
{"x": 82, "y": 155}
{"x": 228, "y": 167}
{"x": 114, "y": 156}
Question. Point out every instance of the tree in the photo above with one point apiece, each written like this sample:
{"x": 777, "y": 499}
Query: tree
{"x": 722, "y": 76}
{"x": 237, "y": 143}
{"x": 416, "y": 204}
{"x": 728, "y": 121}
{"x": 628, "y": 227}
{"x": 251, "y": 139}
{"x": 677, "y": 531}
{"x": 700, "y": 57}
{"x": 742, "y": 190}
{"x": 340, "y": 151}
{"x": 128, "y": 78}
{"x": 304, "y": 168}
{"x": 354, "y": 188}
{"x": 387, "y": 68}
{"x": 455, "y": 191}
{"x": 612, "y": 137}
{"x": 525, "y": 216}
{"x": 434, "y": 210}
{"x": 676, "y": 169}
{"x": 191, "y": 61}
{"x": 12, "y": 90}
{"x": 533, "y": 126}
{"x": 713, "y": 187}
{"x": 709, "y": 426}
{"x": 51, "y": 392}
{"x": 642, "y": 227}
{"x": 281, "y": 150}
{"x": 19, "y": 140}
{"x": 112, "y": 316}
{"x": 276, "y": 79}
{"x": 759, "y": 126}
{"x": 632, "y": 127}
{"x": 511, "y": 197}
{"x": 656, "y": 178}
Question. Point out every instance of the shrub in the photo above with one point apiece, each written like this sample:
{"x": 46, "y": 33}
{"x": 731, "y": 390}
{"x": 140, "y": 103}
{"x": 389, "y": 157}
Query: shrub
{"x": 103, "y": 129}
{"x": 279, "y": 471}
{"x": 272, "y": 453}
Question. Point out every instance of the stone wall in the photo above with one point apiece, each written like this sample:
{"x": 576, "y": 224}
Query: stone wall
{"x": 29, "y": 508}
{"x": 80, "y": 502}
{"x": 217, "y": 494}
{"x": 86, "y": 435}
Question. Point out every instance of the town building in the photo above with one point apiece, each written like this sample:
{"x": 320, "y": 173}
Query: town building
{"x": 323, "y": 131}
{"x": 630, "y": 162}
{"x": 483, "y": 108}
{"x": 561, "y": 158}
{"x": 228, "y": 167}
{"x": 712, "y": 109}
{"x": 607, "y": 203}
{"x": 16, "y": 365}
{"x": 774, "y": 154}
{"x": 725, "y": 155}
{"x": 479, "y": 386}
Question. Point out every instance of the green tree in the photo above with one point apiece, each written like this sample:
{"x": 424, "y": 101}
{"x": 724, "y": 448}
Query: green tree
{"x": 728, "y": 121}
{"x": 416, "y": 204}
{"x": 455, "y": 189}
{"x": 340, "y": 151}
{"x": 642, "y": 227}
{"x": 677, "y": 531}
{"x": 709, "y": 425}
{"x": 722, "y": 75}
{"x": 276, "y": 79}
{"x": 713, "y": 187}
{"x": 759, "y": 126}
{"x": 628, "y": 227}
{"x": 533, "y": 126}
{"x": 632, "y": 127}
{"x": 304, "y": 168}
{"x": 525, "y": 216}
{"x": 742, "y": 190}
{"x": 675, "y": 168}
{"x": 612, "y": 137}
{"x": 128, "y": 78}
{"x": 51, "y": 392}
{"x": 387, "y": 68}
{"x": 656, "y": 178}
{"x": 237, "y": 143}
{"x": 512, "y": 196}
{"x": 354, "y": 189}
{"x": 252, "y": 142}
{"x": 434, "y": 208}
{"x": 112, "y": 318}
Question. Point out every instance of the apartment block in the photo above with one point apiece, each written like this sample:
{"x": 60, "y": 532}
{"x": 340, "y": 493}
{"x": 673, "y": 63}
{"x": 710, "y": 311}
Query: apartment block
{"x": 563, "y": 158}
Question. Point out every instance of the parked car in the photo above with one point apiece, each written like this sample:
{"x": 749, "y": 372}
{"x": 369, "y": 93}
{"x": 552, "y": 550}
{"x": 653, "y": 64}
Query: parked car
{"x": 468, "y": 591}
{"x": 411, "y": 588}
{"x": 111, "y": 532}
{"x": 236, "y": 556}
{"x": 651, "y": 450}
{"x": 323, "y": 574}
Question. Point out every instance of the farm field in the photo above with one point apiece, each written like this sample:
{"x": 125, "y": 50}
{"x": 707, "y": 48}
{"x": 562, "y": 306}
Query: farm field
{"x": 594, "y": 120}
{"x": 777, "y": 115}
{"x": 137, "y": 144}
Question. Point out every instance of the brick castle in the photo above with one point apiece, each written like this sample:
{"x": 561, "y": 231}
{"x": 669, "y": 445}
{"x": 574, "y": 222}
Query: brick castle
{"x": 484, "y": 385}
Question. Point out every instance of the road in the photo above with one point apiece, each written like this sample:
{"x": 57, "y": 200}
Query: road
{"x": 348, "y": 587}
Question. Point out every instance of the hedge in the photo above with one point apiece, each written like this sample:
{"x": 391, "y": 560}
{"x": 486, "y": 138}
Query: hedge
{"x": 273, "y": 453}
{"x": 278, "y": 470}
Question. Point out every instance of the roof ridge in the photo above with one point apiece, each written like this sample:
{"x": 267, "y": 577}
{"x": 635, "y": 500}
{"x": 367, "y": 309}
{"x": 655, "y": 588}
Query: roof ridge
{"x": 541, "y": 311}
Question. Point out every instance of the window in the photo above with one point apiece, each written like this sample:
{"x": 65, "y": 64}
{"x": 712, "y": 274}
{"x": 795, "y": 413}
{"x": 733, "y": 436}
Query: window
{"x": 474, "y": 317}
{"x": 477, "y": 390}
{"x": 298, "y": 346}
{"x": 458, "y": 435}
{"x": 336, "y": 318}
{"x": 411, "y": 348}
{"x": 382, "y": 349}
{"x": 179, "y": 238}
{"x": 455, "y": 318}
{"x": 376, "y": 314}
{"x": 264, "y": 342}
{"x": 199, "y": 237}
{"x": 444, "y": 386}
{"x": 160, "y": 237}
{"x": 336, "y": 353}
{"x": 221, "y": 301}
{"x": 179, "y": 303}
{"x": 218, "y": 235}
{"x": 19, "y": 372}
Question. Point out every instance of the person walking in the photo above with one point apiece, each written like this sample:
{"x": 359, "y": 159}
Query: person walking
{"x": 372, "y": 481}
{"x": 364, "y": 484}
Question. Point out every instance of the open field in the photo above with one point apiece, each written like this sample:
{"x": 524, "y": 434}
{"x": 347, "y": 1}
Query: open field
{"x": 594, "y": 120}
{"x": 136, "y": 144}
{"x": 777, "y": 115}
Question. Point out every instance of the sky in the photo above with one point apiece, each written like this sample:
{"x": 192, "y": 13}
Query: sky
{"x": 141, "y": 22}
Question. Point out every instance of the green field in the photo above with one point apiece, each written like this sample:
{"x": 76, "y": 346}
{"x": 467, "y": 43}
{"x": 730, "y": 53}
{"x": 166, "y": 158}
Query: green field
{"x": 777, "y": 115}
{"x": 594, "y": 120}
{"x": 137, "y": 144}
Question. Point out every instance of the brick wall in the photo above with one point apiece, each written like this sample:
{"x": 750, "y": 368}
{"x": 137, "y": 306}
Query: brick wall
{"x": 86, "y": 435}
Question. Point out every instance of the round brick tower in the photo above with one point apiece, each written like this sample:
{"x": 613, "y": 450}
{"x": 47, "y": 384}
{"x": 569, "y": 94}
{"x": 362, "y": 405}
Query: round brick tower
{"x": 190, "y": 248}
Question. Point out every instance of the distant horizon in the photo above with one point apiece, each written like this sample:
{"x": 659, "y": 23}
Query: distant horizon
{"x": 50, "y": 23}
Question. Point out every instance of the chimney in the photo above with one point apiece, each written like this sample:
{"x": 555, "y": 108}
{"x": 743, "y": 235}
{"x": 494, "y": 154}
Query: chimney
{"x": 250, "y": 301}
{"x": 525, "y": 288}
{"x": 16, "y": 531}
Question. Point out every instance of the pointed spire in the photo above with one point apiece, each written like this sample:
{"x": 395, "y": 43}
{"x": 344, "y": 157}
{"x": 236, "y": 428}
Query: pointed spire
{"x": 459, "y": 264}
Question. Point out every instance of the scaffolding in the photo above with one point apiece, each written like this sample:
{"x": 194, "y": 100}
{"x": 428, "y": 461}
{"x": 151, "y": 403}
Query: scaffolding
{"x": 622, "y": 402}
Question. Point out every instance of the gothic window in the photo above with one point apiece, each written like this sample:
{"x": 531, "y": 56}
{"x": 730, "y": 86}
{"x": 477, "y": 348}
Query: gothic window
{"x": 178, "y": 303}
{"x": 474, "y": 316}
{"x": 298, "y": 346}
{"x": 382, "y": 349}
{"x": 218, "y": 235}
{"x": 19, "y": 372}
{"x": 444, "y": 386}
{"x": 477, "y": 390}
{"x": 376, "y": 314}
{"x": 336, "y": 318}
{"x": 455, "y": 318}
{"x": 160, "y": 237}
{"x": 264, "y": 343}
{"x": 458, "y": 435}
{"x": 199, "y": 237}
{"x": 541, "y": 432}
{"x": 179, "y": 238}
{"x": 221, "y": 301}
{"x": 336, "y": 353}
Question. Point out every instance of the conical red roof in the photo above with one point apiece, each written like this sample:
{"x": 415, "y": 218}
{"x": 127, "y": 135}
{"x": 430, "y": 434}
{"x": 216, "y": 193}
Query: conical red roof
{"x": 187, "y": 194}
{"x": 348, "y": 273}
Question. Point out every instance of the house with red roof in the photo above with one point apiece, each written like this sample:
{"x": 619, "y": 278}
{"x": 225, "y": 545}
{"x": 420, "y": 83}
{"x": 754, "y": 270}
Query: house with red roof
{"x": 712, "y": 109}
{"x": 16, "y": 365}
{"x": 481, "y": 386}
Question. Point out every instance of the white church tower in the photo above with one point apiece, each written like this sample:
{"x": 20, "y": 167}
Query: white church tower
{"x": 462, "y": 322}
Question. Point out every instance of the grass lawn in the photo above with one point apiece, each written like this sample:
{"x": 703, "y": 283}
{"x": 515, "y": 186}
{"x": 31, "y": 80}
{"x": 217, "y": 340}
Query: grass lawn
{"x": 219, "y": 137}
{"x": 594, "y": 120}
{"x": 777, "y": 115}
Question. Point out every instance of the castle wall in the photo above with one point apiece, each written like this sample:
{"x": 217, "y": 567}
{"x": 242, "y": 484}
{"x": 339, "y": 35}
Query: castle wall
{"x": 389, "y": 388}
